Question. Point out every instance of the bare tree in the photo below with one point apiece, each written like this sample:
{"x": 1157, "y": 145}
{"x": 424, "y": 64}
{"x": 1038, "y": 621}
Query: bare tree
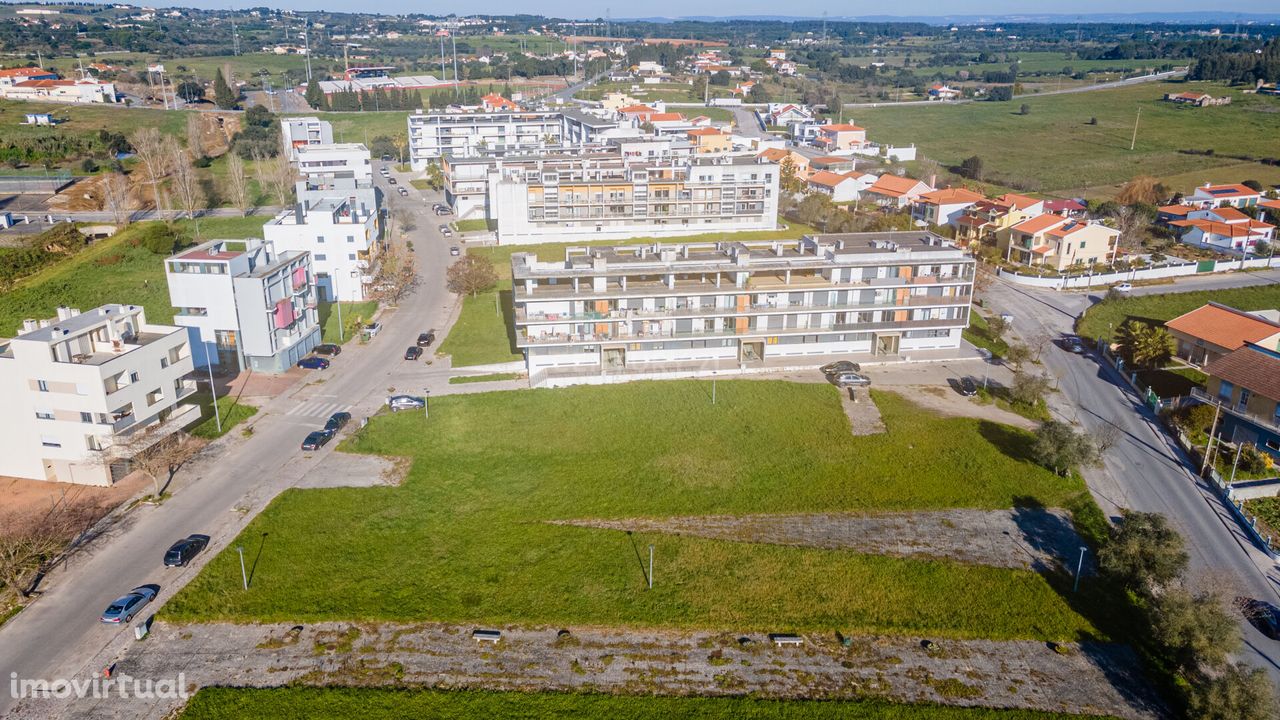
{"x": 396, "y": 275}
{"x": 279, "y": 174}
{"x": 195, "y": 138}
{"x": 155, "y": 457}
{"x": 115, "y": 196}
{"x": 1107, "y": 436}
{"x": 470, "y": 275}
{"x": 1131, "y": 225}
{"x": 29, "y": 544}
{"x": 185, "y": 184}
{"x": 238, "y": 183}
{"x": 1038, "y": 343}
{"x": 259, "y": 169}
{"x": 149, "y": 147}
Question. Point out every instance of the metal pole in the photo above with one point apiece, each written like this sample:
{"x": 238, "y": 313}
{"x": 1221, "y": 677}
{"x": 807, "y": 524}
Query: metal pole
{"x": 1239, "y": 449}
{"x": 1213, "y": 428}
{"x": 244, "y": 577}
{"x": 713, "y": 387}
{"x": 217, "y": 414}
{"x": 337, "y": 300}
{"x": 426, "y": 401}
{"x": 1079, "y": 568}
{"x": 650, "y": 567}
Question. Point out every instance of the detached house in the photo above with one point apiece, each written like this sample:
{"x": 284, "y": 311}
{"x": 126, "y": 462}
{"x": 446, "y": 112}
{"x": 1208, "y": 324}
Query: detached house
{"x": 1223, "y": 228}
{"x": 944, "y": 206}
{"x": 782, "y": 114}
{"x": 841, "y": 136}
{"x": 942, "y": 92}
{"x": 1212, "y": 196}
{"x": 1212, "y": 331}
{"x": 840, "y": 187}
{"x": 1246, "y": 385}
{"x": 1058, "y": 242}
{"x": 895, "y": 191}
{"x": 799, "y": 162}
{"x": 496, "y": 103}
{"x": 985, "y": 219}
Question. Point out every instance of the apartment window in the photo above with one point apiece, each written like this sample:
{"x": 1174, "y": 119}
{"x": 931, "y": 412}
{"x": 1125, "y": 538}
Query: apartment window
{"x": 1225, "y": 390}
{"x": 164, "y": 363}
{"x": 93, "y": 442}
{"x": 86, "y": 417}
{"x": 351, "y": 238}
{"x": 320, "y": 257}
{"x": 319, "y": 239}
{"x": 50, "y": 441}
{"x": 42, "y": 385}
{"x": 44, "y": 414}
{"x": 351, "y": 256}
{"x": 154, "y": 396}
{"x": 133, "y": 377}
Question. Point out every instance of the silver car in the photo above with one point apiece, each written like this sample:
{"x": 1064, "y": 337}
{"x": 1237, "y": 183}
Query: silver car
{"x": 850, "y": 379}
{"x": 124, "y": 608}
{"x": 406, "y": 402}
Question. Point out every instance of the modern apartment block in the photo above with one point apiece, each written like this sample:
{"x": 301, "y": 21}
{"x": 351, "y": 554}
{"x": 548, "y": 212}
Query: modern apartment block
{"x": 618, "y": 200}
{"x": 604, "y": 313}
{"x": 342, "y": 236}
{"x": 245, "y": 305}
{"x": 77, "y": 384}
{"x": 301, "y": 132}
{"x": 337, "y": 170}
{"x": 461, "y": 133}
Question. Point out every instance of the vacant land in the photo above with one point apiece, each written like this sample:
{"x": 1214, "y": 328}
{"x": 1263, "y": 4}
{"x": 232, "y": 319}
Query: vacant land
{"x": 353, "y": 314}
{"x": 231, "y": 412}
{"x": 489, "y": 474}
{"x": 109, "y": 271}
{"x": 1105, "y": 319}
{"x": 1054, "y": 148}
{"x": 484, "y": 333}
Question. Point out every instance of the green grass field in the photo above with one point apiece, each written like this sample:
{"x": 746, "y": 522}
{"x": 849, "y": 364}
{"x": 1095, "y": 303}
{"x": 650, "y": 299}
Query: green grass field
{"x": 233, "y": 413}
{"x": 378, "y": 704}
{"x": 979, "y": 335}
{"x": 1106, "y": 318}
{"x": 352, "y": 314}
{"x": 1054, "y": 149}
{"x": 492, "y": 377}
{"x": 109, "y": 271}
{"x": 489, "y": 472}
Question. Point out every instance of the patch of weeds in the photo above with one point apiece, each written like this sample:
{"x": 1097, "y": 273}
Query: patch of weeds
{"x": 953, "y": 688}
{"x": 577, "y": 668}
{"x": 729, "y": 681}
{"x": 333, "y": 642}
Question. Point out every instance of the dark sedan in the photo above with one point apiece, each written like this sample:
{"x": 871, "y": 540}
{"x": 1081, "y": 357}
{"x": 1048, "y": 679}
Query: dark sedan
{"x": 413, "y": 352}
{"x": 328, "y": 349}
{"x": 337, "y": 421}
{"x": 840, "y": 366}
{"x": 313, "y": 363}
{"x": 425, "y": 339}
{"x": 316, "y": 439}
{"x": 181, "y": 552}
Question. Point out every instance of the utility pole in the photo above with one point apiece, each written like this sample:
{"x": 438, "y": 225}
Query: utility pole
{"x": 235, "y": 35}
{"x": 1134, "y": 141}
{"x": 244, "y": 577}
{"x": 1213, "y": 428}
{"x": 443, "y": 76}
{"x": 650, "y": 567}
{"x": 453, "y": 41}
{"x": 306, "y": 38}
{"x": 217, "y": 414}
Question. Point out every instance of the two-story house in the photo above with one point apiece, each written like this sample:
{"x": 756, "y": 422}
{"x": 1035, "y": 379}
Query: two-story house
{"x": 1058, "y": 242}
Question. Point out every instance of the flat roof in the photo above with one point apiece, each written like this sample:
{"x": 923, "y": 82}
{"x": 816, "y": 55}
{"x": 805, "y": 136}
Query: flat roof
{"x": 60, "y": 329}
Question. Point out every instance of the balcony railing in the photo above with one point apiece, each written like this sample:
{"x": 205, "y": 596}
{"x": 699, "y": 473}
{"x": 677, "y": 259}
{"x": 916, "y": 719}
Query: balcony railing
{"x": 1267, "y": 423}
{"x": 523, "y": 316}
{"x": 523, "y": 339}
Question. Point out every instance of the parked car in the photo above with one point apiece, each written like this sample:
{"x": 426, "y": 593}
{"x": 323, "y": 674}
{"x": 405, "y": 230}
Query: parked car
{"x": 181, "y": 552}
{"x": 1122, "y": 287}
{"x": 455, "y": 251}
{"x": 337, "y": 421}
{"x": 1262, "y": 615}
{"x": 313, "y": 363}
{"x": 425, "y": 339}
{"x": 316, "y": 439}
{"x": 406, "y": 402}
{"x": 391, "y": 180}
{"x": 840, "y": 366}
{"x": 968, "y": 387}
{"x": 446, "y": 231}
{"x": 1073, "y": 344}
{"x": 328, "y": 349}
{"x": 386, "y": 158}
{"x": 850, "y": 379}
{"x": 443, "y": 210}
{"x": 402, "y": 191}
{"x": 372, "y": 329}
{"x": 413, "y": 352}
{"x": 125, "y": 607}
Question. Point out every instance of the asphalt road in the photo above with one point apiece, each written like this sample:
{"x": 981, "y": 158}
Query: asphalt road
{"x": 1145, "y": 470}
{"x": 58, "y": 635}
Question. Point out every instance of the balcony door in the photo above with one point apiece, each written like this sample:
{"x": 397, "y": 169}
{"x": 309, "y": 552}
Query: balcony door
{"x": 887, "y": 344}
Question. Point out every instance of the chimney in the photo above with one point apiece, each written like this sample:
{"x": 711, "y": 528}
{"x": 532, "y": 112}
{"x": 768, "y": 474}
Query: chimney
{"x": 933, "y": 180}
{"x": 298, "y": 213}
{"x": 64, "y": 312}
{"x": 29, "y": 325}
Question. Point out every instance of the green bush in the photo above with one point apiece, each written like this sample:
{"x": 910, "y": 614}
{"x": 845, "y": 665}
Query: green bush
{"x": 159, "y": 239}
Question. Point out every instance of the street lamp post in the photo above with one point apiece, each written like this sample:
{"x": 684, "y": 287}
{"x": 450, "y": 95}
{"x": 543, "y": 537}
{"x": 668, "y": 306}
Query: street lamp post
{"x": 650, "y": 567}
{"x": 213, "y": 391}
{"x": 1079, "y": 569}
{"x": 244, "y": 577}
{"x": 426, "y": 400}
{"x": 337, "y": 301}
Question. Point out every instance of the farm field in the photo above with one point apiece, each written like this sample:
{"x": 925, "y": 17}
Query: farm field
{"x": 488, "y": 478}
{"x": 1055, "y": 150}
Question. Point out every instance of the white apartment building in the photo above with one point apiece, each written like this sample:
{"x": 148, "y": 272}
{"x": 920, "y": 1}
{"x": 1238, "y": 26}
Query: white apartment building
{"x": 609, "y": 313}
{"x": 338, "y": 170}
{"x": 461, "y": 133}
{"x": 599, "y": 200}
{"x": 73, "y": 386}
{"x": 300, "y": 132}
{"x": 245, "y": 305}
{"x": 342, "y": 237}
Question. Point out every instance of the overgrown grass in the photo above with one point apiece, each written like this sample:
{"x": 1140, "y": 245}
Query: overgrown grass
{"x": 232, "y": 412}
{"x": 385, "y": 704}
{"x": 490, "y": 473}
{"x": 1268, "y": 512}
{"x": 979, "y": 335}
{"x": 1107, "y": 317}
{"x": 473, "y": 225}
{"x": 1172, "y": 381}
{"x": 109, "y": 271}
{"x": 353, "y": 313}
{"x": 492, "y": 377}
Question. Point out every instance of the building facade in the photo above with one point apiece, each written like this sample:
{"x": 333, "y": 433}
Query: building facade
{"x": 342, "y": 238}
{"x": 301, "y": 132}
{"x": 689, "y": 308}
{"x": 460, "y": 133}
{"x": 80, "y": 386}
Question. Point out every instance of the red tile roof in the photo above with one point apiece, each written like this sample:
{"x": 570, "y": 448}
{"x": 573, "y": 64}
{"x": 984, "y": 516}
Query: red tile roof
{"x": 1250, "y": 368}
{"x": 826, "y": 178}
{"x": 893, "y": 185}
{"x": 1227, "y": 191}
{"x": 1019, "y": 202}
{"x": 841, "y": 127}
{"x": 1040, "y": 223}
{"x": 1176, "y": 209}
{"x": 950, "y": 196}
{"x": 1223, "y": 326}
{"x": 24, "y": 72}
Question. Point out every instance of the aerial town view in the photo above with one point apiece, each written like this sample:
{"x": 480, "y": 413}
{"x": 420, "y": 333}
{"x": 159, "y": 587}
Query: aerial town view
{"x": 830, "y": 361}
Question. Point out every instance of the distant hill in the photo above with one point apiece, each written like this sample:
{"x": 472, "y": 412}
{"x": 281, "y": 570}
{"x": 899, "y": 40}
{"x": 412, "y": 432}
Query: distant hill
{"x": 1203, "y": 17}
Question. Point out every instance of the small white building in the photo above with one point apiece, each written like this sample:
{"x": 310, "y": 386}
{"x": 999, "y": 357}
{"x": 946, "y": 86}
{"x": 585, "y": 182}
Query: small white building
{"x": 75, "y": 385}
{"x": 841, "y": 187}
{"x": 301, "y": 132}
{"x": 1223, "y": 228}
{"x": 343, "y": 239}
{"x": 1212, "y": 196}
{"x": 246, "y": 306}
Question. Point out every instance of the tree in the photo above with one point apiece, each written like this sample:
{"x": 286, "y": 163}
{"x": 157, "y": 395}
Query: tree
{"x": 1017, "y": 355}
{"x": 396, "y": 276}
{"x": 223, "y": 97}
{"x": 185, "y": 185}
{"x": 190, "y": 91}
{"x": 149, "y": 147}
{"x": 471, "y": 275}
{"x": 314, "y": 95}
{"x": 279, "y": 177}
{"x": 435, "y": 178}
{"x": 1024, "y": 109}
{"x": 1238, "y": 692}
{"x": 972, "y": 168}
{"x": 997, "y": 326}
{"x": 1143, "y": 554}
{"x": 1143, "y": 189}
{"x": 154, "y": 455}
{"x": 1059, "y": 447}
{"x": 1000, "y": 93}
{"x": 29, "y": 545}
{"x": 238, "y": 183}
{"x": 1195, "y": 631}
{"x": 1146, "y": 345}
{"x": 195, "y": 138}
{"x": 1028, "y": 389}
{"x": 1130, "y": 222}
{"x": 115, "y": 198}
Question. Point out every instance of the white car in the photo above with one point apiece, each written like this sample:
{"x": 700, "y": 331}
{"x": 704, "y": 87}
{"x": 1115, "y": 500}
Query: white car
{"x": 1122, "y": 287}
{"x": 406, "y": 402}
{"x": 372, "y": 329}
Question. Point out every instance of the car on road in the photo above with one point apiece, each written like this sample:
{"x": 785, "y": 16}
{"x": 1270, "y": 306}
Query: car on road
{"x": 441, "y": 209}
{"x": 181, "y": 552}
{"x": 1122, "y": 287}
{"x": 372, "y": 329}
{"x": 316, "y": 439}
{"x": 425, "y": 339}
{"x": 1073, "y": 344}
{"x": 850, "y": 379}
{"x": 968, "y": 387}
{"x": 406, "y": 402}
{"x": 455, "y": 251}
{"x": 313, "y": 363}
{"x": 391, "y": 180}
{"x": 840, "y": 366}
{"x": 124, "y": 608}
{"x": 337, "y": 421}
{"x": 446, "y": 231}
{"x": 327, "y": 349}
{"x": 402, "y": 191}
{"x": 386, "y": 158}
{"x": 1262, "y": 615}
{"x": 413, "y": 352}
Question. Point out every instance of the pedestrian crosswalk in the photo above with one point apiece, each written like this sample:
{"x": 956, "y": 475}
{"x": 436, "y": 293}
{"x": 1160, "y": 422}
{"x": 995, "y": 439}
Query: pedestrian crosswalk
{"x": 317, "y": 408}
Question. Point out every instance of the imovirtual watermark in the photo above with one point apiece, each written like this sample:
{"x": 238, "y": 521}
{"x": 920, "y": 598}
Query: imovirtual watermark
{"x": 119, "y": 686}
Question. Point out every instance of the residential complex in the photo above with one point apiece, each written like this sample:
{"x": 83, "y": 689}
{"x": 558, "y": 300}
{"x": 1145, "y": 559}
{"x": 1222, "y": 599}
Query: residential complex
{"x": 77, "y": 384}
{"x": 246, "y": 306}
{"x": 301, "y": 132}
{"x": 460, "y": 133}
{"x": 617, "y": 200}
{"x": 342, "y": 236}
{"x": 608, "y": 312}
{"x": 1058, "y": 242}
{"x": 337, "y": 170}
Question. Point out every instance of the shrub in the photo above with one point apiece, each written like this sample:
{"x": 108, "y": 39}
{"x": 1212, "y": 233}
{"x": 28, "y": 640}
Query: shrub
{"x": 158, "y": 238}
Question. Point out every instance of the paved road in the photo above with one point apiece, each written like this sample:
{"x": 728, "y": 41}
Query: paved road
{"x": 58, "y": 634}
{"x": 748, "y": 122}
{"x": 1145, "y": 470}
{"x": 1156, "y": 77}
{"x": 38, "y": 218}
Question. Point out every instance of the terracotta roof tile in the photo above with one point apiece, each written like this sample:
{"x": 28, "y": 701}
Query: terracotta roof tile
{"x": 1223, "y": 326}
{"x": 1250, "y": 368}
{"x": 1040, "y": 223}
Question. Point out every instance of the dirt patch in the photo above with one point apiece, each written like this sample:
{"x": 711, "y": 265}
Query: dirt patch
{"x": 347, "y": 470}
{"x": 1087, "y": 678}
{"x": 1028, "y": 538}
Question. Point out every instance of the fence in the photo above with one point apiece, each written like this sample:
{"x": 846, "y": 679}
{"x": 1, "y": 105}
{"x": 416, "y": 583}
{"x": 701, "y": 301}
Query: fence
{"x": 34, "y": 184}
{"x": 1156, "y": 272}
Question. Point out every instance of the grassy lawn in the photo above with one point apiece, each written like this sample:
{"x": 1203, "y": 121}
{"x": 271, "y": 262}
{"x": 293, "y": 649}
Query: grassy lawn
{"x": 979, "y": 335}
{"x": 1095, "y": 157}
{"x": 352, "y": 314}
{"x": 233, "y": 413}
{"x": 474, "y": 225}
{"x": 380, "y": 704}
{"x": 482, "y": 336}
{"x": 1107, "y": 317}
{"x": 491, "y": 377}
{"x": 489, "y": 472}
{"x": 109, "y": 271}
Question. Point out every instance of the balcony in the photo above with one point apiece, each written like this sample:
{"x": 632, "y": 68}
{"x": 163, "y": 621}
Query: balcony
{"x": 1271, "y": 424}
{"x": 100, "y": 353}
{"x": 565, "y": 291}
{"x": 524, "y": 317}
{"x": 524, "y": 340}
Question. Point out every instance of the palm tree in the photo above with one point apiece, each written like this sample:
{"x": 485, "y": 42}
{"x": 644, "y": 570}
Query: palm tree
{"x": 1146, "y": 345}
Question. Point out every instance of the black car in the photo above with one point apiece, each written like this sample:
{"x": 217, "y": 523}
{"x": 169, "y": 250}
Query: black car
{"x": 413, "y": 352}
{"x": 391, "y": 180}
{"x": 181, "y": 552}
{"x": 1073, "y": 344}
{"x": 337, "y": 421}
{"x": 316, "y": 439}
{"x": 968, "y": 387}
{"x": 1262, "y": 615}
{"x": 425, "y": 339}
{"x": 328, "y": 349}
{"x": 840, "y": 366}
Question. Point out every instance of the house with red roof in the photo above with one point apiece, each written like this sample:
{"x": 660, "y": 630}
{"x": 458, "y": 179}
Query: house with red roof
{"x": 835, "y": 137}
{"x": 494, "y": 102}
{"x": 840, "y": 187}
{"x": 1058, "y": 242}
{"x": 896, "y": 191}
{"x": 13, "y": 76}
{"x": 1245, "y": 385}
{"x": 1196, "y": 99}
{"x": 1223, "y": 228}
{"x": 1212, "y": 196}
{"x": 943, "y": 206}
{"x": 779, "y": 155}
{"x": 1214, "y": 330}
{"x": 942, "y": 92}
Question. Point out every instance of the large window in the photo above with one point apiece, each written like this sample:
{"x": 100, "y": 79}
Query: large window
{"x": 1225, "y": 391}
